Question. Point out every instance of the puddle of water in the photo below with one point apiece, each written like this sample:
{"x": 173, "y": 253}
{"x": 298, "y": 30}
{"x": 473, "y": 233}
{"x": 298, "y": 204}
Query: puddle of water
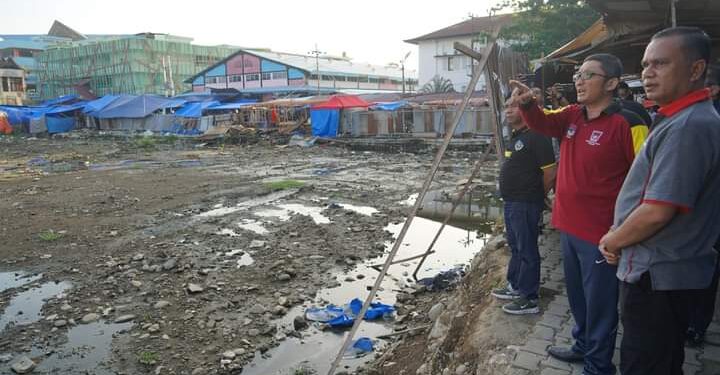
{"x": 248, "y": 204}
{"x": 88, "y": 347}
{"x": 314, "y": 212}
{"x": 318, "y": 348}
{"x": 282, "y": 215}
{"x": 363, "y": 210}
{"x": 25, "y": 307}
{"x": 477, "y": 210}
{"x": 245, "y": 260}
{"x": 9, "y": 280}
{"x": 253, "y": 226}
{"x": 227, "y": 232}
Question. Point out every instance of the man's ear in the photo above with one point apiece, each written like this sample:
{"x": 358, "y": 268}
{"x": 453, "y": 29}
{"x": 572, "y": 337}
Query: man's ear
{"x": 612, "y": 84}
{"x": 697, "y": 70}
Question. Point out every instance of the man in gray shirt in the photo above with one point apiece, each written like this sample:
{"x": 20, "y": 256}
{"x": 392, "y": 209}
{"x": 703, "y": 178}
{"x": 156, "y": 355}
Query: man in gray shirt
{"x": 666, "y": 214}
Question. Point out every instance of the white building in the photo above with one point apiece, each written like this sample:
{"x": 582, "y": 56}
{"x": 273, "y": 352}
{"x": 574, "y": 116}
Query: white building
{"x": 438, "y": 57}
{"x": 12, "y": 82}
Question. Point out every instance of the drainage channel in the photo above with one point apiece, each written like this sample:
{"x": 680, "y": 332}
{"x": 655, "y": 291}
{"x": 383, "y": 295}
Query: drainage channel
{"x": 317, "y": 348}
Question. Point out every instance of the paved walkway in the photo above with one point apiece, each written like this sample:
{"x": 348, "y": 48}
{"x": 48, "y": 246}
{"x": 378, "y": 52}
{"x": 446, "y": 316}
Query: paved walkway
{"x": 555, "y": 326}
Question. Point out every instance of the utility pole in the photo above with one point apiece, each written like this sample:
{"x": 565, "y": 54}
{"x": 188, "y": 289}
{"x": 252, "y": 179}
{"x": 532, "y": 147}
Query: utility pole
{"x": 402, "y": 67}
{"x": 317, "y": 54}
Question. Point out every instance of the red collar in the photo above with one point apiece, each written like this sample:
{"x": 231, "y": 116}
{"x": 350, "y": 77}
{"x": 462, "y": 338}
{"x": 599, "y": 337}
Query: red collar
{"x": 678, "y": 105}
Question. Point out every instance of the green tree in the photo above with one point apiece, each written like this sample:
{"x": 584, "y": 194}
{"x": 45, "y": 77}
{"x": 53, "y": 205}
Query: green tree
{"x": 541, "y": 26}
{"x": 437, "y": 85}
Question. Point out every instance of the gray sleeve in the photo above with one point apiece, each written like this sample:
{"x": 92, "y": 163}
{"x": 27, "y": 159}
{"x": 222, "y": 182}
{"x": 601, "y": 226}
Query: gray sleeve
{"x": 681, "y": 160}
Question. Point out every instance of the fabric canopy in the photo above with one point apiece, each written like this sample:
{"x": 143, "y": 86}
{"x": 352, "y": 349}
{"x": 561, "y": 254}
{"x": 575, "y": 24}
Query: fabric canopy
{"x": 325, "y": 122}
{"x": 130, "y": 106}
{"x": 341, "y": 102}
{"x": 195, "y": 109}
{"x": 389, "y": 106}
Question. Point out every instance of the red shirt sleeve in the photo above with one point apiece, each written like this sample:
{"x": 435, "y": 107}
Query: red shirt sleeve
{"x": 550, "y": 123}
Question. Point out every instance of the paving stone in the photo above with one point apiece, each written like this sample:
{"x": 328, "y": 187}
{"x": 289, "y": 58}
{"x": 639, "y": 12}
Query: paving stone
{"x": 562, "y": 301}
{"x": 557, "y": 309}
{"x": 556, "y": 363}
{"x": 527, "y": 361}
{"x": 554, "y": 285}
{"x": 691, "y": 356}
{"x": 577, "y": 369}
{"x": 689, "y": 369}
{"x": 714, "y": 327}
{"x": 552, "y": 321}
{"x": 566, "y": 331}
{"x": 543, "y": 333}
{"x": 710, "y": 353}
{"x": 554, "y": 371}
{"x": 519, "y": 371}
{"x": 536, "y": 346}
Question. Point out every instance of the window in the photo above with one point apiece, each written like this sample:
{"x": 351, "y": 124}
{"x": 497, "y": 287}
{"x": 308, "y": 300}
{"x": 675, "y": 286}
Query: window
{"x": 374, "y": 80}
{"x": 12, "y": 84}
{"x": 235, "y": 78}
{"x": 211, "y": 80}
{"x": 327, "y": 78}
{"x": 252, "y": 77}
{"x": 351, "y": 79}
{"x": 340, "y": 78}
{"x": 478, "y": 43}
{"x": 363, "y": 79}
{"x": 266, "y": 76}
{"x": 450, "y": 63}
{"x": 313, "y": 76}
{"x": 279, "y": 75}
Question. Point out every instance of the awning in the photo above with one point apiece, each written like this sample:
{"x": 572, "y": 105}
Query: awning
{"x": 590, "y": 37}
{"x": 342, "y": 102}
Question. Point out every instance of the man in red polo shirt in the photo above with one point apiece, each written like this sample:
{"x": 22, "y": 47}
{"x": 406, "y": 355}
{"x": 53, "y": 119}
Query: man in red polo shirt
{"x": 599, "y": 142}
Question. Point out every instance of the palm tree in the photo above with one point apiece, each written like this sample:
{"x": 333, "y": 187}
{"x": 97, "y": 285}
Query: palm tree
{"x": 437, "y": 85}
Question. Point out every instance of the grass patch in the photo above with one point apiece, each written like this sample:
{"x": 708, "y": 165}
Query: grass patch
{"x": 49, "y": 235}
{"x": 148, "y": 358}
{"x": 145, "y": 142}
{"x": 284, "y": 184}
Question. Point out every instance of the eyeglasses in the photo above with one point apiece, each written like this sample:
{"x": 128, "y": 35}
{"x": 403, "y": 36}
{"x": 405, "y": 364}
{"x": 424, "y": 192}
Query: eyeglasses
{"x": 585, "y": 76}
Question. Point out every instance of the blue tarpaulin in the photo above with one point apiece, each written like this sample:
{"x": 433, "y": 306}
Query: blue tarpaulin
{"x": 60, "y": 100}
{"x": 130, "y": 106}
{"x": 99, "y": 104}
{"x": 389, "y": 106}
{"x": 59, "y": 124}
{"x": 335, "y": 316}
{"x": 325, "y": 122}
{"x": 233, "y": 105}
{"x": 66, "y": 108}
{"x": 195, "y": 109}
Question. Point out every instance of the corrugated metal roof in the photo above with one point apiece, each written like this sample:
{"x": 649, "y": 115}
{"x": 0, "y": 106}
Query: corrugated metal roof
{"x": 28, "y": 63}
{"x": 472, "y": 26}
{"x": 333, "y": 65}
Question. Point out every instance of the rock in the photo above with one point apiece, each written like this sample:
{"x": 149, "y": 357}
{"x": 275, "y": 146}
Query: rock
{"x": 229, "y": 354}
{"x": 257, "y": 309}
{"x": 138, "y": 257}
{"x": 60, "y": 323}
{"x": 169, "y": 264}
{"x": 349, "y": 279}
{"x": 435, "y": 311}
{"x": 89, "y": 318}
{"x": 283, "y": 301}
{"x": 496, "y": 243}
{"x": 253, "y": 332}
{"x": 461, "y": 370}
{"x": 360, "y": 276}
{"x": 165, "y": 337}
{"x": 195, "y": 288}
{"x": 256, "y": 244}
{"x": 279, "y": 310}
{"x": 125, "y": 318}
{"x": 23, "y": 365}
{"x": 422, "y": 370}
{"x": 446, "y": 371}
{"x": 51, "y": 317}
{"x": 239, "y": 351}
{"x": 299, "y": 323}
{"x": 198, "y": 371}
{"x": 154, "y": 328}
{"x": 65, "y": 307}
{"x": 5, "y": 357}
{"x": 161, "y": 304}
{"x": 136, "y": 283}
{"x": 284, "y": 277}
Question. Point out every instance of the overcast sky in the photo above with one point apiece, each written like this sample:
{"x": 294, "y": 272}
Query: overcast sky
{"x": 369, "y": 31}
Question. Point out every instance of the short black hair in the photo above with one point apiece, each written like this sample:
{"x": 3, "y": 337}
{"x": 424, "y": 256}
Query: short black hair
{"x": 695, "y": 41}
{"x": 610, "y": 64}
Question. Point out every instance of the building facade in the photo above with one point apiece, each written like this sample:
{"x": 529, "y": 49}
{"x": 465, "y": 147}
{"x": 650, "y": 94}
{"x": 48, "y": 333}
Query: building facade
{"x": 12, "y": 83}
{"x": 437, "y": 57}
{"x": 267, "y": 72}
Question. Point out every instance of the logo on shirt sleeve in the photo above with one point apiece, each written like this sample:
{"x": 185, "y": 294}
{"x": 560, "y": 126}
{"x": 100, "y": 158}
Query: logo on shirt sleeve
{"x": 571, "y": 131}
{"x": 594, "y": 138}
{"x": 519, "y": 145}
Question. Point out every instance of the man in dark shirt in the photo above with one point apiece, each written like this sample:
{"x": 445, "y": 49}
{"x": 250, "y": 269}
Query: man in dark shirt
{"x": 628, "y": 102}
{"x": 525, "y": 177}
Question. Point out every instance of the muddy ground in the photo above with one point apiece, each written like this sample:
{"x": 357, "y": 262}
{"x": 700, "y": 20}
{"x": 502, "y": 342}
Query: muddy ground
{"x": 122, "y": 255}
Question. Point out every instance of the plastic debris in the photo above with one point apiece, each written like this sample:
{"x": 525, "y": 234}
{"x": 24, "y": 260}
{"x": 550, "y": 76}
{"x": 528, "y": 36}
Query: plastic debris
{"x": 335, "y": 316}
{"x": 444, "y": 280}
{"x": 360, "y": 347}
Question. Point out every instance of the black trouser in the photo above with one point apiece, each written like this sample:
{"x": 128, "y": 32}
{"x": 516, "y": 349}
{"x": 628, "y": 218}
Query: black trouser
{"x": 654, "y": 324}
{"x": 701, "y": 313}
